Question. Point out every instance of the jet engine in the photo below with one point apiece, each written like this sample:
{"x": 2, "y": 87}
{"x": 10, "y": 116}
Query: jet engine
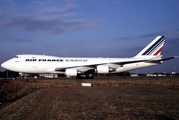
{"x": 70, "y": 72}
{"x": 103, "y": 69}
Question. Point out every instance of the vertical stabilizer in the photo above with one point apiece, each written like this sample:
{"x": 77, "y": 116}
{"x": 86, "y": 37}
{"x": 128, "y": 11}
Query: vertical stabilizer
{"x": 154, "y": 48}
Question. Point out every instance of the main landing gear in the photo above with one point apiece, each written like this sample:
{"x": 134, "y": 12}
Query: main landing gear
{"x": 88, "y": 76}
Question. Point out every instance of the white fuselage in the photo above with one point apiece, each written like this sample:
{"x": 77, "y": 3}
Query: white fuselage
{"x": 48, "y": 64}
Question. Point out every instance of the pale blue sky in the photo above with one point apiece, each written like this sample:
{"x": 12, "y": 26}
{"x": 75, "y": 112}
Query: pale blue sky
{"x": 89, "y": 28}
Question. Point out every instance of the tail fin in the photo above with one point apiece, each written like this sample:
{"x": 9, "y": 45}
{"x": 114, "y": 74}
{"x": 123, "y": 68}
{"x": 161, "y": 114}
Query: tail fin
{"x": 154, "y": 48}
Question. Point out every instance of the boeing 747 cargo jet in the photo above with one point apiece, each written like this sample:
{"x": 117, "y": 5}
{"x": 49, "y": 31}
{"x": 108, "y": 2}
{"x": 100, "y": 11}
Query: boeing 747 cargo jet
{"x": 78, "y": 67}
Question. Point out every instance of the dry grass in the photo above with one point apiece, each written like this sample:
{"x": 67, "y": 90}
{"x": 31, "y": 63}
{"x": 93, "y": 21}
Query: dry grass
{"x": 106, "y": 81}
{"x": 131, "y": 101}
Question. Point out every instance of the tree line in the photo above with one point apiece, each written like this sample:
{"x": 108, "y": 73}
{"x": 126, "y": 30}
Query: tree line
{"x": 12, "y": 74}
{"x": 8, "y": 73}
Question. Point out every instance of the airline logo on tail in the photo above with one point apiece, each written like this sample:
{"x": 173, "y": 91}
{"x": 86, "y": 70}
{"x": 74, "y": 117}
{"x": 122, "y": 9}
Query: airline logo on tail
{"x": 154, "y": 48}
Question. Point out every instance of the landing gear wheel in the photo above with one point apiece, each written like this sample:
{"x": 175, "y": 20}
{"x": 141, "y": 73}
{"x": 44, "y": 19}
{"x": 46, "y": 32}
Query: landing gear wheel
{"x": 90, "y": 76}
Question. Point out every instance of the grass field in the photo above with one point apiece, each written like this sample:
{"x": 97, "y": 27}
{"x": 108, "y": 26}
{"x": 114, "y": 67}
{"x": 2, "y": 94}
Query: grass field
{"x": 110, "y": 98}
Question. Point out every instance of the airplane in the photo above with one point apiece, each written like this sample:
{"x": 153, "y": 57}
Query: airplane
{"x": 79, "y": 67}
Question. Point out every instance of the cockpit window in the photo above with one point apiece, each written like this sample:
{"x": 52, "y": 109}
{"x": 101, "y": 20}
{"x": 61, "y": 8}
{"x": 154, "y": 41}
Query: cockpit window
{"x": 15, "y": 56}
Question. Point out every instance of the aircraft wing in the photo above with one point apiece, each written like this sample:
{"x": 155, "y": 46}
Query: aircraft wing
{"x": 113, "y": 64}
{"x": 93, "y": 66}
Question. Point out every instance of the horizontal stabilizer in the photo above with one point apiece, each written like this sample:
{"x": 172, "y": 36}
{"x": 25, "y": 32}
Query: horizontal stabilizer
{"x": 168, "y": 58}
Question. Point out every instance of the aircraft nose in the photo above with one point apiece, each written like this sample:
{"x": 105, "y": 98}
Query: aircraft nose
{"x": 6, "y": 65}
{"x": 3, "y": 65}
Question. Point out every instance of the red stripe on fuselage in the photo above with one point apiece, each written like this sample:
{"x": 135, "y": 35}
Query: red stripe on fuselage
{"x": 158, "y": 51}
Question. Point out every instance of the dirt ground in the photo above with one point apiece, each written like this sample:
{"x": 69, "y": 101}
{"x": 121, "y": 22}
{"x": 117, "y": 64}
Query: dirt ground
{"x": 109, "y": 98}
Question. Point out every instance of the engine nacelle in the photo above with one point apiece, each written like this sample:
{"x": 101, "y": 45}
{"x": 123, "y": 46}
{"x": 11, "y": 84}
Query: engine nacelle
{"x": 102, "y": 69}
{"x": 70, "y": 72}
